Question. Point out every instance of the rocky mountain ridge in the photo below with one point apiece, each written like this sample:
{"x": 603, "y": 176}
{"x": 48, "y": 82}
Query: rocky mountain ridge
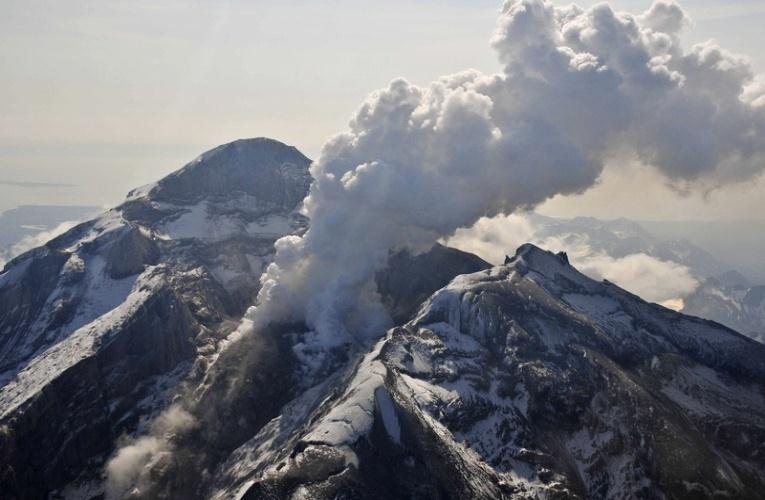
{"x": 527, "y": 380}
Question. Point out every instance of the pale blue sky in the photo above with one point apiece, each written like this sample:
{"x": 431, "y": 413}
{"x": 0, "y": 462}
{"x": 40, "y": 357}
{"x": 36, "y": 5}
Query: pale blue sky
{"x": 109, "y": 95}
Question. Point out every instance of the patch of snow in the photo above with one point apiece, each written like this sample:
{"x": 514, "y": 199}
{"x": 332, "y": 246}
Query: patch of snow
{"x": 195, "y": 222}
{"x": 426, "y": 394}
{"x": 11, "y": 275}
{"x": 108, "y": 222}
{"x": 352, "y": 417}
{"x": 141, "y": 192}
{"x": 101, "y": 295}
{"x": 386, "y": 409}
{"x": 271, "y": 225}
{"x": 200, "y": 222}
{"x": 594, "y": 305}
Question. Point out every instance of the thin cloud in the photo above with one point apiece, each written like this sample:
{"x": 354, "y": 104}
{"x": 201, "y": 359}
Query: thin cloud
{"x": 26, "y": 184}
{"x": 649, "y": 277}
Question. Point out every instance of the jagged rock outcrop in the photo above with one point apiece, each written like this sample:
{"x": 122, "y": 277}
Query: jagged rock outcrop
{"x": 409, "y": 280}
{"x": 131, "y": 253}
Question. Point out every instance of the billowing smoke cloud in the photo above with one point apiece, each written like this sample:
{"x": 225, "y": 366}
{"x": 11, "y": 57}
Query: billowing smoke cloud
{"x": 651, "y": 278}
{"x": 126, "y": 471}
{"x": 579, "y": 88}
{"x": 494, "y": 238}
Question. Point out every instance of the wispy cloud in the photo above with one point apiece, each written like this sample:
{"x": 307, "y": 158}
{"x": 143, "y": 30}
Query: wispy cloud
{"x": 651, "y": 278}
{"x": 25, "y": 184}
{"x": 35, "y": 240}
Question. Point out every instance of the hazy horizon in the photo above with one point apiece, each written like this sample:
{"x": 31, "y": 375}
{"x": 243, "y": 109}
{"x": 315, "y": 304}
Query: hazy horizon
{"x": 108, "y": 96}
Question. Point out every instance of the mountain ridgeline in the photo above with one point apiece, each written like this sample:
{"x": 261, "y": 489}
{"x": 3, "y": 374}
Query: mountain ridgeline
{"x": 527, "y": 380}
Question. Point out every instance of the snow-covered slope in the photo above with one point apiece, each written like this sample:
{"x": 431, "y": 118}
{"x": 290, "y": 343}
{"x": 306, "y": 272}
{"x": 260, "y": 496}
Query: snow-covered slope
{"x": 98, "y": 324}
{"x": 672, "y": 272}
{"x": 723, "y": 295}
{"x": 527, "y": 380}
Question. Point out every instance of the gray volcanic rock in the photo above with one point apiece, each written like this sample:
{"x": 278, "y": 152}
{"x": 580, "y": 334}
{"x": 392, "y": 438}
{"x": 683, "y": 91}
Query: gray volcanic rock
{"x": 410, "y": 279}
{"x": 254, "y": 385}
{"x": 271, "y": 172}
{"x": 130, "y": 254}
{"x": 98, "y": 327}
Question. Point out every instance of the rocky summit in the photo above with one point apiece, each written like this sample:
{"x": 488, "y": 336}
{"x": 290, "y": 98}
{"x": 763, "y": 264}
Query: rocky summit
{"x": 522, "y": 381}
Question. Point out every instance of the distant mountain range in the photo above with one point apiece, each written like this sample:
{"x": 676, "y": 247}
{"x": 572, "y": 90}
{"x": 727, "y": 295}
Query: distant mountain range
{"x": 739, "y": 243}
{"x": 621, "y": 237}
{"x": 735, "y": 304}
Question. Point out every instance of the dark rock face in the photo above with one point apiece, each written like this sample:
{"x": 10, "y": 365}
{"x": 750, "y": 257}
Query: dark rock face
{"x": 271, "y": 172}
{"x": 130, "y": 254}
{"x": 410, "y": 279}
{"x": 22, "y": 298}
{"x": 77, "y": 416}
{"x": 98, "y": 327}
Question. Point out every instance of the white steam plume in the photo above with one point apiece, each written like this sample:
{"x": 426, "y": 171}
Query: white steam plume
{"x": 578, "y": 88}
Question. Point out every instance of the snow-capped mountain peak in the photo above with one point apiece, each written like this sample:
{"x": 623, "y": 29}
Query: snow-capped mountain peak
{"x": 100, "y": 323}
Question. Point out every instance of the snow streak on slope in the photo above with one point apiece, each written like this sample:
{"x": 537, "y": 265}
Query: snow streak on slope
{"x": 106, "y": 305}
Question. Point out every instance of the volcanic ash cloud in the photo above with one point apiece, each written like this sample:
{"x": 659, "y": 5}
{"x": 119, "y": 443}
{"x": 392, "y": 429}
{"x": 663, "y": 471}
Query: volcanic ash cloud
{"x": 579, "y": 88}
